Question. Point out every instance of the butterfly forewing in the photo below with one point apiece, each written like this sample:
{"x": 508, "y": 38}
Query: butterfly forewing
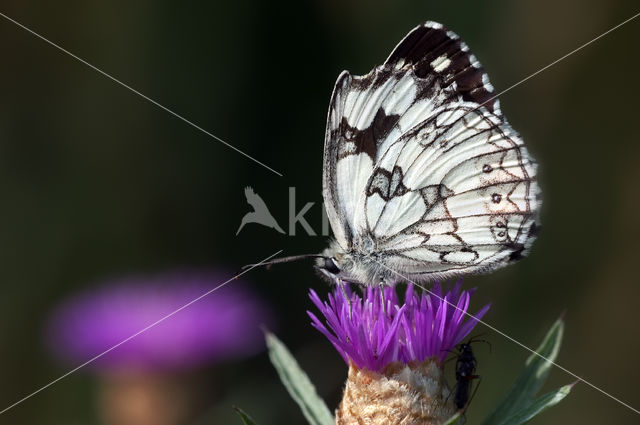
{"x": 422, "y": 168}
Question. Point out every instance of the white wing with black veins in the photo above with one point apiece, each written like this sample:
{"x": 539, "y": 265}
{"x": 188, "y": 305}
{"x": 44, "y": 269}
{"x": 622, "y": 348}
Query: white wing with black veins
{"x": 421, "y": 167}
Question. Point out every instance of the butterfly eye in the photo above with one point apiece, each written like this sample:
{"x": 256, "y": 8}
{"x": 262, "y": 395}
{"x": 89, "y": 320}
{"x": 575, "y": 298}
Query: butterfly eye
{"x": 331, "y": 266}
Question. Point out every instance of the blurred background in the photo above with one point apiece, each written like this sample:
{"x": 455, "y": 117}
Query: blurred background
{"x": 98, "y": 183}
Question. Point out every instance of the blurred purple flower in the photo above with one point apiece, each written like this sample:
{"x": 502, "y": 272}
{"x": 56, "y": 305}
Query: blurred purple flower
{"x": 223, "y": 325}
{"x": 426, "y": 325}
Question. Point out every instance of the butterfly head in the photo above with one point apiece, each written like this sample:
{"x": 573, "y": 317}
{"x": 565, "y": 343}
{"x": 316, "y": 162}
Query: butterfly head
{"x": 330, "y": 264}
{"x": 335, "y": 264}
{"x": 364, "y": 269}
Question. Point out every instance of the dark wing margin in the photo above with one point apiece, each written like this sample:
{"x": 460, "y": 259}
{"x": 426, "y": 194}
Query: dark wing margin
{"x": 429, "y": 46}
{"x": 341, "y": 230}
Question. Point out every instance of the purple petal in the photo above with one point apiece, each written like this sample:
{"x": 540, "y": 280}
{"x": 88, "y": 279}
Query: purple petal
{"x": 374, "y": 329}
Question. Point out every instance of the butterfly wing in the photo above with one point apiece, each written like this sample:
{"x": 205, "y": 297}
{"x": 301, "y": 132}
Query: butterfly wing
{"x": 466, "y": 198}
{"x": 415, "y": 152}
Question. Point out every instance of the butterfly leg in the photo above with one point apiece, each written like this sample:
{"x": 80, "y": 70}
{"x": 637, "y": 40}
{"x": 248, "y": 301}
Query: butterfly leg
{"x": 340, "y": 283}
{"x": 384, "y": 301}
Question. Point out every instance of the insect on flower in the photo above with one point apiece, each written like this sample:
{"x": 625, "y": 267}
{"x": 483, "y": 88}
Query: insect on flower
{"x": 466, "y": 365}
{"x": 396, "y": 355}
{"x": 423, "y": 177}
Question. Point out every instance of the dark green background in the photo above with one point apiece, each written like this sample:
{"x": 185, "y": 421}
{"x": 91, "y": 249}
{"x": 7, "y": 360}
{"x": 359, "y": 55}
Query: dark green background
{"x": 96, "y": 181}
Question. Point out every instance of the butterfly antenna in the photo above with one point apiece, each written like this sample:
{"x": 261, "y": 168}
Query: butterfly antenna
{"x": 283, "y": 260}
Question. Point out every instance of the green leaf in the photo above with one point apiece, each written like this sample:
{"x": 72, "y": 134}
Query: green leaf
{"x": 246, "y": 419}
{"x": 541, "y": 404}
{"x": 454, "y": 419}
{"x": 297, "y": 383}
{"x": 521, "y": 394}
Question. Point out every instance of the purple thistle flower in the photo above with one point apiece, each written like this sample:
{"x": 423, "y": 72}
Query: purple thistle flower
{"x": 223, "y": 325}
{"x": 426, "y": 325}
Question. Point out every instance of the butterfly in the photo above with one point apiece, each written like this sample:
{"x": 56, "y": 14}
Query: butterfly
{"x": 423, "y": 177}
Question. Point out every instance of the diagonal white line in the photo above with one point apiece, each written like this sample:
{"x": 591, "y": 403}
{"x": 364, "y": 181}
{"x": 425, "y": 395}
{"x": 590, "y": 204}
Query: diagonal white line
{"x": 561, "y": 58}
{"x": 486, "y": 324}
{"x": 271, "y": 256}
{"x": 162, "y": 319}
{"x": 579, "y": 378}
{"x": 147, "y": 98}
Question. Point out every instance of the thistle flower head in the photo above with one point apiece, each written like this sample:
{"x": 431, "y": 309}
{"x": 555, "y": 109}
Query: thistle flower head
{"x": 375, "y": 329}
{"x": 225, "y": 325}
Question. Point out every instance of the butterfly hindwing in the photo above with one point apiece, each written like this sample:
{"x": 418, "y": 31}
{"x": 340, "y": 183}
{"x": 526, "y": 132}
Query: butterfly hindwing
{"x": 468, "y": 199}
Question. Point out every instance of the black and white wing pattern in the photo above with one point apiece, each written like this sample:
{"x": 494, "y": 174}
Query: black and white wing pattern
{"x": 421, "y": 169}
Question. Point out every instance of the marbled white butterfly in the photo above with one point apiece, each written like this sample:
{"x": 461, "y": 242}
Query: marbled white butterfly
{"x": 423, "y": 177}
